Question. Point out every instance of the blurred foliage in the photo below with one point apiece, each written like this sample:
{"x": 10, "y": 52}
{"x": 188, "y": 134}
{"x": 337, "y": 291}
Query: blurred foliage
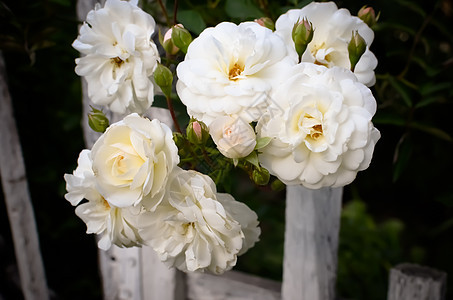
{"x": 399, "y": 210}
{"x": 367, "y": 251}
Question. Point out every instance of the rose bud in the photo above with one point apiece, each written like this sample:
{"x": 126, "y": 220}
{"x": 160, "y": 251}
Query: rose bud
{"x": 356, "y": 48}
{"x": 368, "y": 15}
{"x": 260, "y": 176}
{"x": 181, "y": 37}
{"x": 266, "y": 22}
{"x": 197, "y": 132}
{"x": 167, "y": 42}
{"x": 164, "y": 79}
{"x": 302, "y": 35}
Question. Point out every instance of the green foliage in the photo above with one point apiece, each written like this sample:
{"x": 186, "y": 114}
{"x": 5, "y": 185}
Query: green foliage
{"x": 367, "y": 251}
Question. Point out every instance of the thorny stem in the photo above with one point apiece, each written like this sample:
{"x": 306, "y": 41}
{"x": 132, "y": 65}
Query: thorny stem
{"x": 173, "y": 115}
{"x": 164, "y": 11}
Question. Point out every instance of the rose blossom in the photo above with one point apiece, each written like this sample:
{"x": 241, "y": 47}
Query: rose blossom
{"x": 114, "y": 225}
{"x": 228, "y": 70}
{"x": 132, "y": 161}
{"x": 333, "y": 30}
{"x": 119, "y": 56}
{"x": 234, "y": 137}
{"x": 197, "y": 229}
{"x": 322, "y": 132}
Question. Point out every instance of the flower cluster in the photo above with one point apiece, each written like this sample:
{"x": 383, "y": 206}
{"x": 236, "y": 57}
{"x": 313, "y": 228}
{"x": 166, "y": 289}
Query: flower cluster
{"x": 293, "y": 103}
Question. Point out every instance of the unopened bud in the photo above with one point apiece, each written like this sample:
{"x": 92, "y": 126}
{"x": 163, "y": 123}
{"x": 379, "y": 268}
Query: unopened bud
{"x": 97, "y": 120}
{"x": 167, "y": 42}
{"x": 179, "y": 140}
{"x": 164, "y": 79}
{"x": 277, "y": 185}
{"x": 197, "y": 132}
{"x": 266, "y": 22}
{"x": 368, "y": 15}
{"x": 356, "y": 48}
{"x": 181, "y": 37}
{"x": 302, "y": 35}
{"x": 260, "y": 176}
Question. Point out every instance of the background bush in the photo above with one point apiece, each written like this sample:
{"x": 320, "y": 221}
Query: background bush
{"x": 399, "y": 210}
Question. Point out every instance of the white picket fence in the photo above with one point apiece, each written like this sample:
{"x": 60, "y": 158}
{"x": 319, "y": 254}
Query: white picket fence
{"x": 310, "y": 252}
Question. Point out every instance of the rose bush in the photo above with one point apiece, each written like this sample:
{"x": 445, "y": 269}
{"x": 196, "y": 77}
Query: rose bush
{"x": 322, "y": 133}
{"x": 119, "y": 56}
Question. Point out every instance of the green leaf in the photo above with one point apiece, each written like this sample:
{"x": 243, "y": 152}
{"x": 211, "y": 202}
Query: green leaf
{"x": 262, "y": 142}
{"x": 389, "y": 119}
{"x": 192, "y": 20}
{"x": 401, "y": 90}
{"x": 431, "y": 88}
{"x": 242, "y": 9}
{"x": 428, "y": 101}
{"x": 432, "y": 130}
{"x": 253, "y": 159}
{"x": 402, "y": 156}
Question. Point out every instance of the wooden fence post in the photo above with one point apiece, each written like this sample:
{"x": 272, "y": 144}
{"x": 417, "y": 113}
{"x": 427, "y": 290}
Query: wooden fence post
{"x": 311, "y": 243}
{"x": 414, "y": 282}
{"x": 18, "y": 201}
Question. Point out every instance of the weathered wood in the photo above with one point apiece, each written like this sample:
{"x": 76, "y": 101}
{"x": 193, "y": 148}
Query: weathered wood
{"x": 231, "y": 285}
{"x": 414, "y": 282}
{"x": 311, "y": 243}
{"x": 18, "y": 201}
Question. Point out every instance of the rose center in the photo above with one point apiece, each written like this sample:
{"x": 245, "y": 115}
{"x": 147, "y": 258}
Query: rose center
{"x": 311, "y": 126}
{"x": 316, "y": 131}
{"x": 235, "y": 72}
{"x": 322, "y": 54}
{"x": 121, "y": 166}
{"x": 117, "y": 62}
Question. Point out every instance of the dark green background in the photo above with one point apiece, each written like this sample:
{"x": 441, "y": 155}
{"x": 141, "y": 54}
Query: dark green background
{"x": 399, "y": 210}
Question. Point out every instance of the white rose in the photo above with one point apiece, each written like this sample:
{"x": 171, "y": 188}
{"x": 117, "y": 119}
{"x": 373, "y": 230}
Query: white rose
{"x": 229, "y": 69}
{"x": 120, "y": 56}
{"x": 322, "y": 132}
{"x": 333, "y": 30}
{"x": 132, "y": 161}
{"x": 114, "y": 225}
{"x": 234, "y": 137}
{"x": 193, "y": 229}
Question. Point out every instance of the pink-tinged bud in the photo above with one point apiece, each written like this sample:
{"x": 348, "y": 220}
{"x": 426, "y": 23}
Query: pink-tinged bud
{"x": 167, "y": 42}
{"x": 302, "y": 35}
{"x": 266, "y": 22}
{"x": 197, "y": 129}
{"x": 197, "y": 132}
{"x": 356, "y": 48}
{"x": 181, "y": 37}
{"x": 368, "y": 15}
